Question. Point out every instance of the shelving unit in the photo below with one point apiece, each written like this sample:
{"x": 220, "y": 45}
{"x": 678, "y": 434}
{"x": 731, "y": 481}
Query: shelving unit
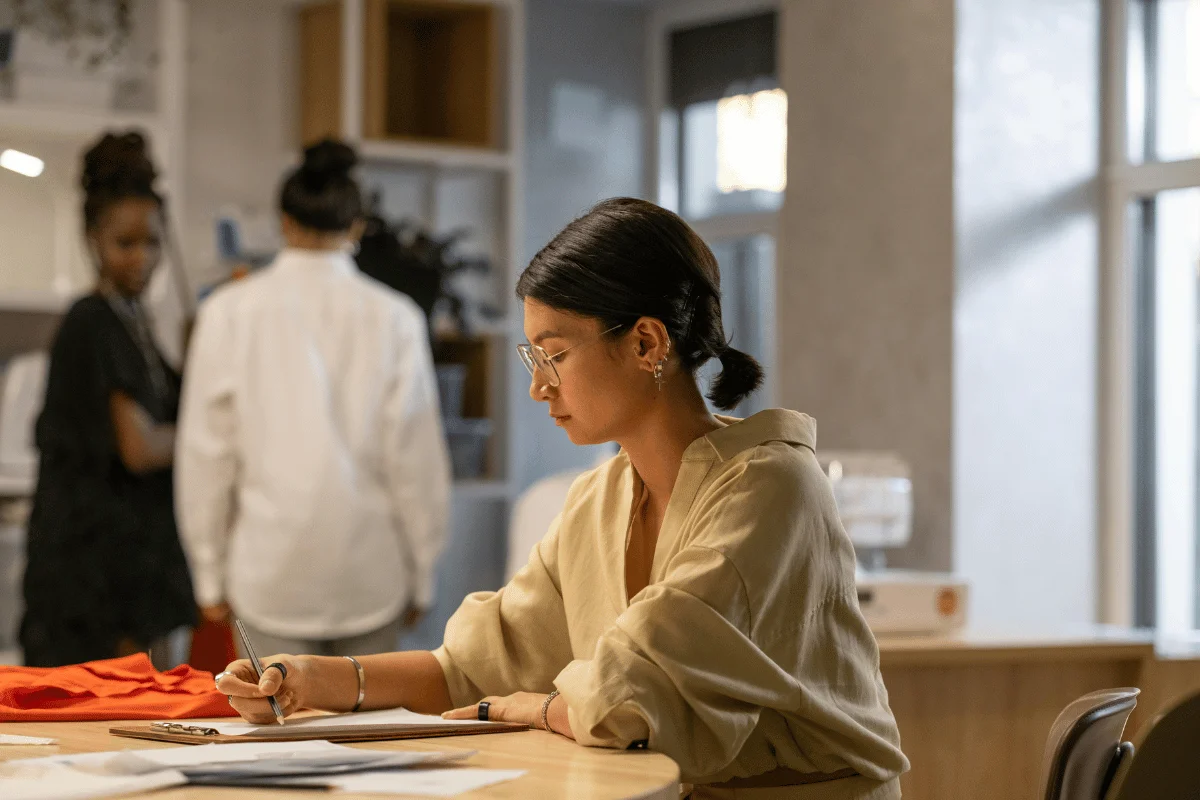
{"x": 431, "y": 93}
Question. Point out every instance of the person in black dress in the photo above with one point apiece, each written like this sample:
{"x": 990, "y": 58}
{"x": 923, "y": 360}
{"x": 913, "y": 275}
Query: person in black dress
{"x": 106, "y": 575}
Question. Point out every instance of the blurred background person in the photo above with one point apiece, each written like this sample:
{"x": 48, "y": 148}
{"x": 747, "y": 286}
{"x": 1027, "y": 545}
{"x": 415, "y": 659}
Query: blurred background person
{"x": 106, "y": 575}
{"x": 313, "y": 478}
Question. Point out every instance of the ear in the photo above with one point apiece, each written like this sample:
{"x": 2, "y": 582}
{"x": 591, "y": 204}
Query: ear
{"x": 358, "y": 229}
{"x": 651, "y": 342}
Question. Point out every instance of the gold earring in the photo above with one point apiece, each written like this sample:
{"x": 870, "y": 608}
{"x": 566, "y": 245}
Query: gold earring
{"x": 658, "y": 373}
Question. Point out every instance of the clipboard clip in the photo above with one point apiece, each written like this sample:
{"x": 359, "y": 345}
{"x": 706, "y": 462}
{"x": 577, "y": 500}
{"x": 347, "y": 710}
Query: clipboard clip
{"x": 189, "y": 730}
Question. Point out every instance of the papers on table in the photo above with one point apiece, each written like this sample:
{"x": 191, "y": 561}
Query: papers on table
{"x": 64, "y": 783}
{"x": 315, "y": 763}
{"x": 392, "y": 717}
{"x": 14, "y": 739}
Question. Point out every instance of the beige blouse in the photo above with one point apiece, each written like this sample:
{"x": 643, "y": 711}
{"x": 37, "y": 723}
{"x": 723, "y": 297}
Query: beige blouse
{"x": 746, "y": 652}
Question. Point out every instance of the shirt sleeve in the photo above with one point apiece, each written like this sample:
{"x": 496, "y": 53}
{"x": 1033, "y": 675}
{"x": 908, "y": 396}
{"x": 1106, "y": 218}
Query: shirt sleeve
{"x": 513, "y": 640}
{"x": 416, "y": 462}
{"x": 745, "y": 635}
{"x": 206, "y": 457}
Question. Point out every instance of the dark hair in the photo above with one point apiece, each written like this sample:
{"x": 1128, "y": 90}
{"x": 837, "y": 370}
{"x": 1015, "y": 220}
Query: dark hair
{"x": 321, "y": 193}
{"x": 626, "y": 259}
{"x": 116, "y": 168}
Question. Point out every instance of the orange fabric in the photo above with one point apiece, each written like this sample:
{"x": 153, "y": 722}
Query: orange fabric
{"x": 212, "y": 646}
{"x": 118, "y": 688}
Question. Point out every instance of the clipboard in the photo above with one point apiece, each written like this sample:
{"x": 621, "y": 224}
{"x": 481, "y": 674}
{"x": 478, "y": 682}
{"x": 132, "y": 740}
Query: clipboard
{"x": 197, "y": 734}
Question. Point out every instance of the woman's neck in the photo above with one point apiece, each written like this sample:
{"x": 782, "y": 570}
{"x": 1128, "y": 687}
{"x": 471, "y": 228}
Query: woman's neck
{"x": 677, "y": 418}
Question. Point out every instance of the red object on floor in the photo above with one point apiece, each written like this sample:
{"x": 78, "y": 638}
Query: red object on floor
{"x": 212, "y": 647}
{"x": 118, "y": 688}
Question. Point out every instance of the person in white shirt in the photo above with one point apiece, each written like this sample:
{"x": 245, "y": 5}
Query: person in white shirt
{"x": 312, "y": 479}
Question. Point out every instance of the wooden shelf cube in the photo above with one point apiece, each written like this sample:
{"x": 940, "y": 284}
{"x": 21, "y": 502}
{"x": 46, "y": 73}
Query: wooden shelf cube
{"x": 431, "y": 72}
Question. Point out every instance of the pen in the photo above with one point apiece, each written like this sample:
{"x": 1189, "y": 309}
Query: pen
{"x": 258, "y": 670}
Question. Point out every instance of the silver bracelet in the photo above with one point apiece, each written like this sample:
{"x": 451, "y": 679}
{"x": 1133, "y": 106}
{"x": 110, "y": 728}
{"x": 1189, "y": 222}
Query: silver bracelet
{"x": 546, "y": 709}
{"x": 362, "y": 682}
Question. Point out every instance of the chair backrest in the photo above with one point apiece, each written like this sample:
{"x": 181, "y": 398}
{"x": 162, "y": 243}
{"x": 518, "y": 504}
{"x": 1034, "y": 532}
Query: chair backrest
{"x": 1084, "y": 745}
{"x": 1166, "y": 765}
{"x": 532, "y": 514}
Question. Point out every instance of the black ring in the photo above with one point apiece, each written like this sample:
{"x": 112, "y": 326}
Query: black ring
{"x": 483, "y": 710}
{"x": 282, "y": 669}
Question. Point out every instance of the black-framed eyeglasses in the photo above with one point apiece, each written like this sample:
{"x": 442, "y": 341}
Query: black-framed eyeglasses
{"x": 535, "y": 358}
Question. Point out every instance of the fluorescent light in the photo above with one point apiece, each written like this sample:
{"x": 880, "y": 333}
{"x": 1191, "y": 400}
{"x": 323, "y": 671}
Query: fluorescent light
{"x": 22, "y": 163}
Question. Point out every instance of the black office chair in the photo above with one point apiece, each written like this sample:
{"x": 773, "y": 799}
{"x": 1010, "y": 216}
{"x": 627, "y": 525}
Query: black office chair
{"x": 1084, "y": 748}
{"x": 1167, "y": 763}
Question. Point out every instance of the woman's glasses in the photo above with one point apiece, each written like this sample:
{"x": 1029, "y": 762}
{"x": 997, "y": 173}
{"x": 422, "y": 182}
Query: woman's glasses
{"x": 536, "y": 359}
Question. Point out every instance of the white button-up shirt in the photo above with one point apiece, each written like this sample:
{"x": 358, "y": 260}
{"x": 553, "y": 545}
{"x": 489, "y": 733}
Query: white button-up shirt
{"x": 312, "y": 480}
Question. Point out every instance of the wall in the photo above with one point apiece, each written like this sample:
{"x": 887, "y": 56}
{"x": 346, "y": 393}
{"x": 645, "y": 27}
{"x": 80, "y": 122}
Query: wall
{"x": 866, "y": 256}
{"x": 1026, "y": 160}
{"x": 584, "y": 88}
{"x": 240, "y": 115}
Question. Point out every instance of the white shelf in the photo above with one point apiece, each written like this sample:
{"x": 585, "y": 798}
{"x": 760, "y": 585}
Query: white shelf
{"x": 435, "y": 155}
{"x": 482, "y": 490}
{"x": 29, "y": 301}
{"x": 69, "y": 121}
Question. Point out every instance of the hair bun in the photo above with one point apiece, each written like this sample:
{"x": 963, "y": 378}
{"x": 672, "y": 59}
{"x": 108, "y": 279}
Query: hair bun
{"x": 328, "y": 159}
{"x": 119, "y": 162}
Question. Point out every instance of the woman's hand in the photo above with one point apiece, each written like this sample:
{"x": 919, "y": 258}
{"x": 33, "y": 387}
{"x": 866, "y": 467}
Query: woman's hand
{"x": 523, "y": 707}
{"x": 247, "y": 693}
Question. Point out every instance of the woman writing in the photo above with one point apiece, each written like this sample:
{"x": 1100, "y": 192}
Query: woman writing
{"x": 696, "y": 593}
{"x": 106, "y": 575}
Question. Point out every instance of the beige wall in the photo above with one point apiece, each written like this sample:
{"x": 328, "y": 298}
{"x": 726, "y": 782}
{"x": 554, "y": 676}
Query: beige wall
{"x": 866, "y": 257}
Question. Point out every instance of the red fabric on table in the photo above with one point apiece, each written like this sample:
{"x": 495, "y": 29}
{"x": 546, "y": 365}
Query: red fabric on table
{"x": 117, "y": 688}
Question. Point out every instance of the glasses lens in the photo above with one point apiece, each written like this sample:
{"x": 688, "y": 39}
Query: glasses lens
{"x": 542, "y": 360}
{"x": 526, "y": 358}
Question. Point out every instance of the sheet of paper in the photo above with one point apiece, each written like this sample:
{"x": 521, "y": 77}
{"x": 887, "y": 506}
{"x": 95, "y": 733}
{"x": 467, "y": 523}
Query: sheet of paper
{"x": 12, "y": 738}
{"x": 64, "y": 783}
{"x": 391, "y": 716}
{"x": 427, "y": 782}
{"x": 117, "y": 762}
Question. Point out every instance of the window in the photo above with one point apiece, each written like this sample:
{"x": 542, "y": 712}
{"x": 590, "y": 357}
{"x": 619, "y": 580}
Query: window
{"x": 722, "y": 152}
{"x": 1167, "y": 261}
{"x": 724, "y": 134}
{"x": 1164, "y": 80}
{"x": 1160, "y": 187}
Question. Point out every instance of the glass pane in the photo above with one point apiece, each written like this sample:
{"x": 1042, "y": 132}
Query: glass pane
{"x": 1170, "y": 230}
{"x": 734, "y": 154}
{"x": 747, "y": 310}
{"x": 1164, "y": 80}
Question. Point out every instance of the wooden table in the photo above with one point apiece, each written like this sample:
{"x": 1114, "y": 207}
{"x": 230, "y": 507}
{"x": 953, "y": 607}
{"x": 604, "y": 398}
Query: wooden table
{"x": 555, "y": 767}
{"x": 975, "y": 709}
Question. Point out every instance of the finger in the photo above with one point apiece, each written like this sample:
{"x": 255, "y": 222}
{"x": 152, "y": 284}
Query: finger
{"x": 232, "y": 683}
{"x": 467, "y": 712}
{"x": 257, "y": 711}
{"x": 272, "y": 679}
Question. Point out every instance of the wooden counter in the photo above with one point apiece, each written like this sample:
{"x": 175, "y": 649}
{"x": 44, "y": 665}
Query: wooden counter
{"x": 974, "y": 710}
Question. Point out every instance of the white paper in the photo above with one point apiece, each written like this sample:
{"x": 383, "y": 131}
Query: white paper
{"x": 141, "y": 762}
{"x": 12, "y": 738}
{"x": 391, "y": 716}
{"x": 427, "y": 782}
{"x": 63, "y": 783}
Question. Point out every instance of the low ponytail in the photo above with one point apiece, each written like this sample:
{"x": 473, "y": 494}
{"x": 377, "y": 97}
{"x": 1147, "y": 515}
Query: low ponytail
{"x": 740, "y": 375}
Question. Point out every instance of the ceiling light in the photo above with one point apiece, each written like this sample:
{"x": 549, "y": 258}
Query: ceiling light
{"x": 22, "y": 163}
